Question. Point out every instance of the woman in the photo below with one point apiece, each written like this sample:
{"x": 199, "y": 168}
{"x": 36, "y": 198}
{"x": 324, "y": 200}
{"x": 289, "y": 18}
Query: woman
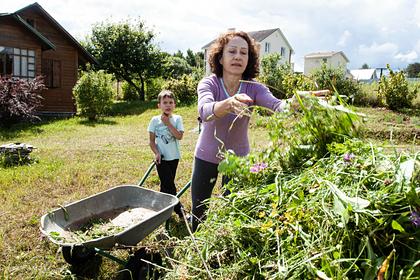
{"x": 233, "y": 60}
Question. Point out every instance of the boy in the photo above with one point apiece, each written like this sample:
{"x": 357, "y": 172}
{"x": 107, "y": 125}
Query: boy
{"x": 165, "y": 131}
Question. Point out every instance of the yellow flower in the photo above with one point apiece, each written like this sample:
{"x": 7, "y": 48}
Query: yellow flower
{"x": 261, "y": 214}
{"x": 266, "y": 226}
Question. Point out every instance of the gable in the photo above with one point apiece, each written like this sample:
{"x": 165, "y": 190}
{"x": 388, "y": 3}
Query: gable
{"x": 51, "y": 29}
{"x": 15, "y": 28}
{"x": 260, "y": 36}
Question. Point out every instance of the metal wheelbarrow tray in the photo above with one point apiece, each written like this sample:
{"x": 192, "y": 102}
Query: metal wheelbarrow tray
{"x": 135, "y": 210}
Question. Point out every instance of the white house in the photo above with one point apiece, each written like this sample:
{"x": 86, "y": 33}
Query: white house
{"x": 269, "y": 41}
{"x": 364, "y": 75}
{"x": 332, "y": 59}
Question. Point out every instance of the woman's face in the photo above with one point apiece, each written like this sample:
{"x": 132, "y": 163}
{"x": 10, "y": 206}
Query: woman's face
{"x": 235, "y": 56}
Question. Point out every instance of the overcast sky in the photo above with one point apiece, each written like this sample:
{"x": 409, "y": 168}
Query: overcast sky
{"x": 375, "y": 32}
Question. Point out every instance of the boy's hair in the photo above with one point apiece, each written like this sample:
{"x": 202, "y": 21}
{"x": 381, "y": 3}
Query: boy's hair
{"x": 165, "y": 93}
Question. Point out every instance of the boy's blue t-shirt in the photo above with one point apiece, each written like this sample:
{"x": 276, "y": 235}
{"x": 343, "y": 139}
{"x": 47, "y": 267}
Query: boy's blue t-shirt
{"x": 166, "y": 143}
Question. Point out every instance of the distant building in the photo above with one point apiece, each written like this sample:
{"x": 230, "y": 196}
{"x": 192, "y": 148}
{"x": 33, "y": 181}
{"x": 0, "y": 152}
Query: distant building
{"x": 269, "y": 41}
{"x": 332, "y": 59}
{"x": 364, "y": 75}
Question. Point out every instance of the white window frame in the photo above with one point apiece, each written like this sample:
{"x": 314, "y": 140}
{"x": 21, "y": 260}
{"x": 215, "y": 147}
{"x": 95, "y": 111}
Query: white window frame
{"x": 267, "y": 47}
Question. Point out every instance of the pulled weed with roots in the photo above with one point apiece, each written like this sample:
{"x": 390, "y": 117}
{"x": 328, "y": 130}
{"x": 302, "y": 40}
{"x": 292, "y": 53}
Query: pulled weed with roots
{"x": 319, "y": 203}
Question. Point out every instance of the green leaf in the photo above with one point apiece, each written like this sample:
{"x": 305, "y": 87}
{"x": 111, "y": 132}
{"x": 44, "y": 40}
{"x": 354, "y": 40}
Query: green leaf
{"x": 395, "y": 225}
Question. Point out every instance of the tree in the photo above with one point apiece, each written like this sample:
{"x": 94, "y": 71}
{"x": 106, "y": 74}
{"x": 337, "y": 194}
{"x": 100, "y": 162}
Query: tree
{"x": 195, "y": 59}
{"x": 365, "y": 66}
{"x": 413, "y": 70}
{"x": 179, "y": 54}
{"x": 127, "y": 51}
{"x": 175, "y": 67}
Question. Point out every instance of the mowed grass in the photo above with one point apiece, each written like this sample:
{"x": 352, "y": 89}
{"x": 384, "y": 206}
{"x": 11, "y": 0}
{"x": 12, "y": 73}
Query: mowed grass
{"x": 76, "y": 159}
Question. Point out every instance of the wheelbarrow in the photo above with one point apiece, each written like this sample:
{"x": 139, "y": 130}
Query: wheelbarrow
{"x": 131, "y": 213}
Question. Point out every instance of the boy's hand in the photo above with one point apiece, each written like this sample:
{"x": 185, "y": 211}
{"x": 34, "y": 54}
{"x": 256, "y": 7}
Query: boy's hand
{"x": 157, "y": 158}
{"x": 165, "y": 119}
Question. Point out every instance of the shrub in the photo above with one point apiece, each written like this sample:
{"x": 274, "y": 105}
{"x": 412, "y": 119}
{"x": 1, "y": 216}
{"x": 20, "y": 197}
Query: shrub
{"x": 330, "y": 78}
{"x": 184, "y": 89}
{"x": 19, "y": 99}
{"x": 367, "y": 95}
{"x": 94, "y": 94}
{"x": 153, "y": 87}
{"x": 129, "y": 92}
{"x": 272, "y": 74}
{"x": 395, "y": 90}
{"x": 280, "y": 77}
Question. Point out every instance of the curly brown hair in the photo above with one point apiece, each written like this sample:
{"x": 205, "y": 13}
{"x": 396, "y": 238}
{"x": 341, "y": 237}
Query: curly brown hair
{"x": 216, "y": 52}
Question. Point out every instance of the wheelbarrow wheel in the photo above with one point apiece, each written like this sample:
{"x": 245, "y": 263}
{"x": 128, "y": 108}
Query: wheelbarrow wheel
{"x": 76, "y": 255}
{"x": 141, "y": 269}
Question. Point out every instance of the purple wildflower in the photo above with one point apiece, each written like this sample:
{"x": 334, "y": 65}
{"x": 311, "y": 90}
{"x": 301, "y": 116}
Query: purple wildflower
{"x": 257, "y": 167}
{"x": 415, "y": 218}
{"x": 348, "y": 157}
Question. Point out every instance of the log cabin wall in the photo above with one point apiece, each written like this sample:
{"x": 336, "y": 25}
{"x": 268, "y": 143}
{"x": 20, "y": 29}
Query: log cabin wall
{"x": 59, "y": 66}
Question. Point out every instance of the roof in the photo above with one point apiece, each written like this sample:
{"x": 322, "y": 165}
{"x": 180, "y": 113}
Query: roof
{"x": 363, "y": 74}
{"x": 78, "y": 46}
{"x": 326, "y": 55}
{"x": 258, "y": 36}
{"x": 46, "y": 44}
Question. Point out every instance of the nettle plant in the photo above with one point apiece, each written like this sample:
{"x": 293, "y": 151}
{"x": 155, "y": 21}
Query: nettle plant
{"x": 19, "y": 99}
{"x": 395, "y": 90}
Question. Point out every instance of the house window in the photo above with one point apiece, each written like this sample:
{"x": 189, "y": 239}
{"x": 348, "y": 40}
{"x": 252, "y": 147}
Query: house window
{"x": 282, "y": 51}
{"x": 51, "y": 70}
{"x": 16, "y": 62}
{"x": 267, "y": 47}
{"x": 6, "y": 61}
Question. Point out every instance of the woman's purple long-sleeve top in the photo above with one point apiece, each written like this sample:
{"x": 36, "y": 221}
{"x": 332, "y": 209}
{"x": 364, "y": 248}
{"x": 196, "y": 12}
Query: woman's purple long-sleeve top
{"x": 210, "y": 90}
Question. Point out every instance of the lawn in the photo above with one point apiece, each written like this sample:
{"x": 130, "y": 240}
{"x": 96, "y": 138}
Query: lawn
{"x": 76, "y": 158}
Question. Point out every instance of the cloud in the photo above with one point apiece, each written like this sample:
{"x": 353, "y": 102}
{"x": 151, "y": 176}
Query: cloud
{"x": 374, "y": 49}
{"x": 368, "y": 31}
{"x": 343, "y": 39}
{"x": 417, "y": 13}
{"x": 408, "y": 57}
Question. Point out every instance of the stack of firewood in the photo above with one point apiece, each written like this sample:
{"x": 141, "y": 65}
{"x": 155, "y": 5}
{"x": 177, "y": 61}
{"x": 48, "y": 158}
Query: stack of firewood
{"x": 15, "y": 153}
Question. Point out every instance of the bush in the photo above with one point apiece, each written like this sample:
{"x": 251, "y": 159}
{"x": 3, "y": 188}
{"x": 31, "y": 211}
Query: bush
{"x": 129, "y": 92}
{"x": 184, "y": 89}
{"x": 367, "y": 96}
{"x": 395, "y": 90}
{"x": 19, "y": 99}
{"x": 94, "y": 94}
{"x": 153, "y": 87}
{"x": 280, "y": 78}
{"x": 330, "y": 78}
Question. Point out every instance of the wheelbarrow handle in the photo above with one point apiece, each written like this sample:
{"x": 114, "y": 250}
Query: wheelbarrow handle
{"x": 152, "y": 165}
{"x": 184, "y": 189}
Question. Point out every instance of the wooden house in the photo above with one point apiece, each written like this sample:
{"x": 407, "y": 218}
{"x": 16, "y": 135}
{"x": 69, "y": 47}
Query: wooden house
{"x": 33, "y": 43}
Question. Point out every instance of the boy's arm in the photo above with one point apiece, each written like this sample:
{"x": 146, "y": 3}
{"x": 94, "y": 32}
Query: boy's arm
{"x": 154, "y": 148}
{"x": 175, "y": 132}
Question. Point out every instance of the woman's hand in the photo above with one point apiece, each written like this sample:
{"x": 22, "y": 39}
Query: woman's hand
{"x": 238, "y": 103}
{"x": 235, "y": 104}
